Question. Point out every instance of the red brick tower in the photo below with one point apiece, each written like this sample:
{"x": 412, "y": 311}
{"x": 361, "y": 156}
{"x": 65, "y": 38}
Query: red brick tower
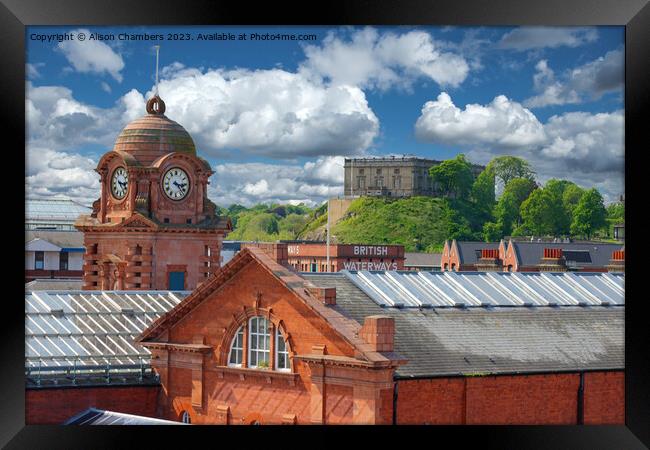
{"x": 153, "y": 226}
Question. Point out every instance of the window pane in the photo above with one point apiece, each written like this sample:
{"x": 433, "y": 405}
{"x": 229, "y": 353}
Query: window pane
{"x": 253, "y": 356}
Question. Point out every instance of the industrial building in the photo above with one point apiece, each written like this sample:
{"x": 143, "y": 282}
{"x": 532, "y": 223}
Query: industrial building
{"x": 161, "y": 329}
{"x": 53, "y": 254}
{"x": 532, "y": 256}
{"x": 260, "y": 343}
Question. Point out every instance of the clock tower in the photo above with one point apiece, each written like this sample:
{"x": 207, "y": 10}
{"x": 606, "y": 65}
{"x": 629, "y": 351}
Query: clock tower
{"x": 153, "y": 228}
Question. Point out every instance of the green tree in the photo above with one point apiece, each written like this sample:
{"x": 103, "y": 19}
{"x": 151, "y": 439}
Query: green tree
{"x": 453, "y": 176}
{"x": 589, "y": 215}
{"x": 492, "y": 231}
{"x": 571, "y": 197}
{"x": 538, "y": 212}
{"x": 483, "y": 193}
{"x": 507, "y": 168}
{"x": 507, "y": 210}
{"x": 562, "y": 214}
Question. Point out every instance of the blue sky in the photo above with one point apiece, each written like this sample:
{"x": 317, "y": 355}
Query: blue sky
{"x": 275, "y": 118}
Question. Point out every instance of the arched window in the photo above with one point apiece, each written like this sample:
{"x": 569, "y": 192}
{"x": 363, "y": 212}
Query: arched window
{"x": 237, "y": 348}
{"x": 446, "y": 266}
{"x": 281, "y": 353}
{"x": 266, "y": 347}
{"x": 185, "y": 417}
{"x": 259, "y": 342}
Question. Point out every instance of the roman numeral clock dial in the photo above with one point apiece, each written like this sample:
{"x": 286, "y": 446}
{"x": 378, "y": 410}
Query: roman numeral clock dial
{"x": 176, "y": 183}
{"x": 119, "y": 183}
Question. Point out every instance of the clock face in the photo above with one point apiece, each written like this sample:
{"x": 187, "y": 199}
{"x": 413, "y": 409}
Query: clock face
{"x": 119, "y": 183}
{"x": 176, "y": 183}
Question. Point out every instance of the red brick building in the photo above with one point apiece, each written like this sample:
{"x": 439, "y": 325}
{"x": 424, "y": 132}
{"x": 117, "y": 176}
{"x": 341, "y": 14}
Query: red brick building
{"x": 305, "y": 256}
{"x": 529, "y": 256}
{"x": 259, "y": 343}
{"x": 153, "y": 208}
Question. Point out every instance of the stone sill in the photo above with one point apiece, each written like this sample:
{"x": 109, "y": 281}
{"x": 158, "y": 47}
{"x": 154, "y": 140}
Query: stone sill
{"x": 268, "y": 375}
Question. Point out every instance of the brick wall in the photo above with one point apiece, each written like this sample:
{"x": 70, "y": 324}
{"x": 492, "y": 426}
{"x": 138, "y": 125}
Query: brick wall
{"x": 56, "y": 405}
{"x": 520, "y": 399}
{"x": 604, "y": 400}
{"x": 430, "y": 401}
{"x": 245, "y": 393}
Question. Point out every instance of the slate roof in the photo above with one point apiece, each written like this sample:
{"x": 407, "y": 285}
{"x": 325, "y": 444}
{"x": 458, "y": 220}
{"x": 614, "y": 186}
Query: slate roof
{"x": 63, "y": 239}
{"x": 467, "y": 250}
{"x": 422, "y": 259}
{"x": 530, "y": 253}
{"x": 500, "y": 340}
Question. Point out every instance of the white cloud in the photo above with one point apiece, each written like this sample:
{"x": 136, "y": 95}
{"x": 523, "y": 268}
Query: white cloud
{"x": 32, "y": 70}
{"x": 369, "y": 59}
{"x": 105, "y": 87}
{"x": 273, "y": 113}
{"x": 586, "y": 82}
{"x": 503, "y": 123}
{"x": 583, "y": 147}
{"x": 92, "y": 56}
{"x": 50, "y": 173}
{"x": 529, "y": 38}
{"x": 55, "y": 119}
{"x": 251, "y": 183}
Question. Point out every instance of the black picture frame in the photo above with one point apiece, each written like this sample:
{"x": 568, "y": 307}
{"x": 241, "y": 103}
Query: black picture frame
{"x": 15, "y": 15}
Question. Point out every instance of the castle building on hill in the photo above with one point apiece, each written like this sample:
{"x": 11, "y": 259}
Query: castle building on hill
{"x": 153, "y": 226}
{"x": 392, "y": 176}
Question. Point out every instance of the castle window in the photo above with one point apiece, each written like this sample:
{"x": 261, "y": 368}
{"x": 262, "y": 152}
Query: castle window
{"x": 237, "y": 348}
{"x": 189, "y": 221}
{"x": 166, "y": 220}
{"x": 185, "y": 417}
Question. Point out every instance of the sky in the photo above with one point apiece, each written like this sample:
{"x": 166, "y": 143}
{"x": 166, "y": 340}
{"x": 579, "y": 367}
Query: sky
{"x": 276, "y": 117}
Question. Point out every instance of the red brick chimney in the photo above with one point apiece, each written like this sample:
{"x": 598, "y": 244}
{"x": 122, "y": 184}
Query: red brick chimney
{"x": 379, "y": 332}
{"x": 276, "y": 250}
{"x": 552, "y": 261}
{"x": 325, "y": 295}
{"x": 617, "y": 263}
{"x": 489, "y": 260}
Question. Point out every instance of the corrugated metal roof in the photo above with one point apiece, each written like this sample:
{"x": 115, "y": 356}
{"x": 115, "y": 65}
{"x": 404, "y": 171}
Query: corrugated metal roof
{"x": 476, "y": 289}
{"x": 93, "y": 416}
{"x": 478, "y": 341}
{"x": 66, "y": 328}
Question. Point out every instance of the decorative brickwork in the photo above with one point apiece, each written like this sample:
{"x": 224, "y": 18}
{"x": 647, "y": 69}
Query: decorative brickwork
{"x": 142, "y": 228}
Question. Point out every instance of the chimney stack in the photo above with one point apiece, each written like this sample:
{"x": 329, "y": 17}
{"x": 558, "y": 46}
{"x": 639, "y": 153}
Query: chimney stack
{"x": 552, "y": 261}
{"x": 617, "y": 263}
{"x": 379, "y": 332}
{"x": 489, "y": 260}
{"x": 276, "y": 250}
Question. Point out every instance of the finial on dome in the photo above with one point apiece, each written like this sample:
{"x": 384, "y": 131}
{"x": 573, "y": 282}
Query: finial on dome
{"x": 155, "y": 105}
